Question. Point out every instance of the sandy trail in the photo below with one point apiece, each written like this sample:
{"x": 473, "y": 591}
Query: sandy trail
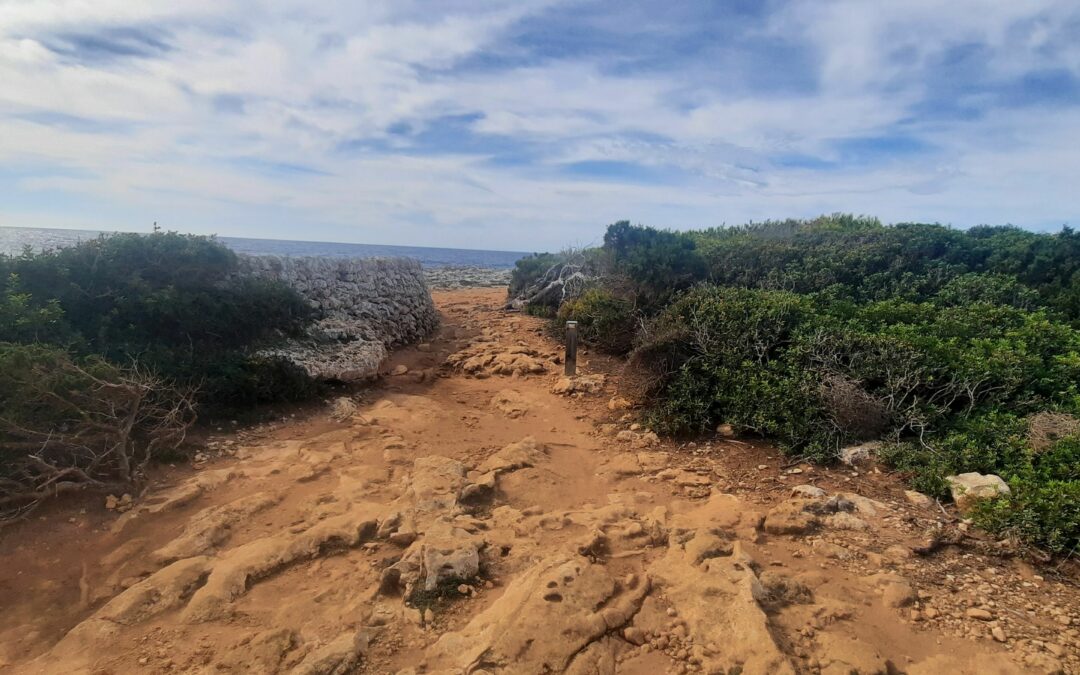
{"x": 466, "y": 518}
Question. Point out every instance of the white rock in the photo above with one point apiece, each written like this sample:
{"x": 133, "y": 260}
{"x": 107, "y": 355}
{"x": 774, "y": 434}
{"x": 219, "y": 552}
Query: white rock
{"x": 857, "y": 454}
{"x": 918, "y": 499}
{"x": 968, "y": 488}
{"x": 811, "y": 491}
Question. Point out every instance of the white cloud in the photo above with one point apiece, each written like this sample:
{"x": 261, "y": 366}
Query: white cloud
{"x": 195, "y": 135}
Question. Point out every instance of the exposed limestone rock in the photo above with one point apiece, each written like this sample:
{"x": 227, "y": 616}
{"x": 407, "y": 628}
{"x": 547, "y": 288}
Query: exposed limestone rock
{"x": 918, "y": 499}
{"x": 969, "y": 488}
{"x": 790, "y": 517}
{"x": 858, "y": 454}
{"x": 181, "y": 495}
{"x": 484, "y": 358}
{"x": 843, "y": 656}
{"x": 368, "y": 305}
{"x": 325, "y": 359}
{"x": 810, "y": 491}
{"x": 587, "y": 384}
{"x": 510, "y": 403}
{"x": 581, "y": 598}
{"x": 338, "y": 657}
{"x": 210, "y": 527}
{"x": 895, "y": 590}
{"x": 165, "y": 589}
{"x": 232, "y": 574}
{"x": 446, "y": 553}
{"x": 646, "y": 439}
{"x": 718, "y": 599}
{"x": 264, "y": 652}
{"x": 342, "y": 408}
{"x": 526, "y": 452}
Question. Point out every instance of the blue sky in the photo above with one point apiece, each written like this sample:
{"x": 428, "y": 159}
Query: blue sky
{"x": 532, "y": 124}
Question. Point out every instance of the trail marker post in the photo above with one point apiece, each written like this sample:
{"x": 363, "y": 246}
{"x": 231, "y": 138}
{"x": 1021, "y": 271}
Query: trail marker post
{"x": 571, "y": 348}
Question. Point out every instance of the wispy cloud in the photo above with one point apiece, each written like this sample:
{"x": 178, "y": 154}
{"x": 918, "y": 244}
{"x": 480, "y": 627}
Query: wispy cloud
{"x": 531, "y": 124}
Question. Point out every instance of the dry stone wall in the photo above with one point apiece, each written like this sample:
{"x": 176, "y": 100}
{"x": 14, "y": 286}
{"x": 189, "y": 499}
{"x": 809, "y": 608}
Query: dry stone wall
{"x": 368, "y": 305}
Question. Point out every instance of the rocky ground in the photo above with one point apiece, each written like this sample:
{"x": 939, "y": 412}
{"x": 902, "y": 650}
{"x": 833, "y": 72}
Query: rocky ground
{"x": 475, "y": 512}
{"x": 445, "y": 278}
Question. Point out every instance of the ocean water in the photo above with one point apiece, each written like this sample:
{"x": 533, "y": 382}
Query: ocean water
{"x": 15, "y": 239}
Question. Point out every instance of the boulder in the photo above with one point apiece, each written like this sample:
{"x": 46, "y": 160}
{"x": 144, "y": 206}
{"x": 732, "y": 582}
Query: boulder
{"x": 918, "y": 499}
{"x": 969, "y": 488}
{"x": 859, "y": 454}
{"x": 811, "y": 491}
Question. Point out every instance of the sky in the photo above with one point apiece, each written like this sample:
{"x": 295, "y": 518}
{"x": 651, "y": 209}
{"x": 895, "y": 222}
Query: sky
{"x": 532, "y": 124}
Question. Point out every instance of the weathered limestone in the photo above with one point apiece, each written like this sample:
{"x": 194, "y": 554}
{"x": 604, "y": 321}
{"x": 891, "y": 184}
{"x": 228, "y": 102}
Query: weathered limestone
{"x": 969, "y": 488}
{"x": 368, "y": 306}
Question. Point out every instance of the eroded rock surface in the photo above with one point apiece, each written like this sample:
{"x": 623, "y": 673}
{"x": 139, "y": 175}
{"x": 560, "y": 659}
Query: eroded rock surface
{"x": 486, "y": 524}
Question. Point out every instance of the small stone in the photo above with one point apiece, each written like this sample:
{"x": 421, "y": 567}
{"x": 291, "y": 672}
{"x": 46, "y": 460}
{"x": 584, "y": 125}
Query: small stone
{"x": 400, "y": 369}
{"x": 810, "y": 491}
{"x": 634, "y": 635}
{"x": 980, "y": 614}
{"x": 918, "y": 499}
{"x": 856, "y": 454}
{"x": 671, "y": 611}
{"x": 998, "y": 634}
{"x": 968, "y": 488}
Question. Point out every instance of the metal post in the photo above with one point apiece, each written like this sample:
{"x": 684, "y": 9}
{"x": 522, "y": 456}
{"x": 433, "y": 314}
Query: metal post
{"x": 571, "y": 348}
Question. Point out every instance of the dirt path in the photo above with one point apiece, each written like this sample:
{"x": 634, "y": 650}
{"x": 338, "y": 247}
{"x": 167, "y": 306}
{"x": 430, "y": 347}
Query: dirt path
{"x": 466, "y": 518}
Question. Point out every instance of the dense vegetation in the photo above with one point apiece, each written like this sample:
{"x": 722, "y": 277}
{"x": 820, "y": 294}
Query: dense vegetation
{"x": 958, "y": 348}
{"x": 108, "y": 347}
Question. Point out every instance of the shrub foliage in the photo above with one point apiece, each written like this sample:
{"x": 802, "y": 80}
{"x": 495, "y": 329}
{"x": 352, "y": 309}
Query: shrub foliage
{"x": 953, "y": 346}
{"x": 107, "y": 347}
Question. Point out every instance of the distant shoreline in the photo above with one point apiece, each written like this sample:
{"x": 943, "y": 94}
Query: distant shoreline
{"x": 14, "y": 239}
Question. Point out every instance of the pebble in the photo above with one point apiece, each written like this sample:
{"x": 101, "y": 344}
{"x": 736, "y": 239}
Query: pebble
{"x": 980, "y": 614}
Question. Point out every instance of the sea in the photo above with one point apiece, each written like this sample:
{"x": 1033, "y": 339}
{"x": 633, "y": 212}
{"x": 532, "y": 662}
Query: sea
{"x": 14, "y": 240}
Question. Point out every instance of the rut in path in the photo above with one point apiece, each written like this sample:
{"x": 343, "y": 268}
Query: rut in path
{"x": 477, "y": 513}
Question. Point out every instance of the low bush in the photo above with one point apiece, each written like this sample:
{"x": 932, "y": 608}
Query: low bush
{"x": 959, "y": 348}
{"x": 659, "y": 263}
{"x": 604, "y": 320}
{"x": 108, "y": 347}
{"x": 956, "y": 388}
{"x": 528, "y": 270}
{"x": 172, "y": 303}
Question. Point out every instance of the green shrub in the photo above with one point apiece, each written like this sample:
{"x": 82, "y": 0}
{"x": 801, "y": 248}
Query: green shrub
{"x": 604, "y": 320}
{"x": 1044, "y": 505}
{"x": 528, "y": 270}
{"x": 659, "y": 262}
{"x": 823, "y": 332}
{"x": 172, "y": 303}
{"x": 21, "y": 320}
